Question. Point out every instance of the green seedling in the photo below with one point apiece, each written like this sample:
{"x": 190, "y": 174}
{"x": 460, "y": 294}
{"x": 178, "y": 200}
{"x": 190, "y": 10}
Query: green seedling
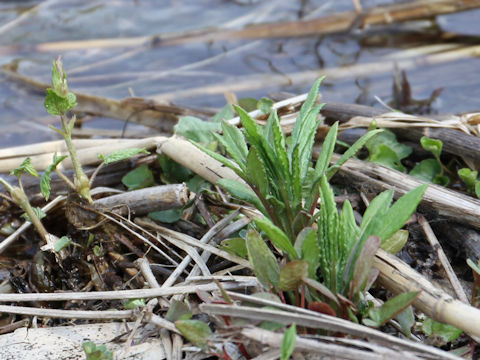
{"x": 195, "y": 331}
{"x": 94, "y": 352}
{"x": 58, "y": 101}
{"x": 280, "y": 180}
{"x": 288, "y": 342}
{"x": 431, "y": 170}
{"x": 469, "y": 177}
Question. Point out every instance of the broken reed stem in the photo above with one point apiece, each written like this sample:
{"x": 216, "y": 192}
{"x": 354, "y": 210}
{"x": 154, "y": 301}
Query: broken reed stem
{"x": 69, "y": 314}
{"x": 433, "y": 241}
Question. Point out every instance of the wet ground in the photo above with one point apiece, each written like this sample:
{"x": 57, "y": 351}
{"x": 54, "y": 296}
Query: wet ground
{"x": 359, "y": 64}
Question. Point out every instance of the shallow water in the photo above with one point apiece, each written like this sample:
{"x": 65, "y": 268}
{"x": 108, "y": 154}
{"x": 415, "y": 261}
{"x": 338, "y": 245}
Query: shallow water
{"x": 359, "y": 65}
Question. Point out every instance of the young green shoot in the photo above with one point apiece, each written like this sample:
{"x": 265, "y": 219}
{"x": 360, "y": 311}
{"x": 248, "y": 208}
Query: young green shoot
{"x": 58, "y": 101}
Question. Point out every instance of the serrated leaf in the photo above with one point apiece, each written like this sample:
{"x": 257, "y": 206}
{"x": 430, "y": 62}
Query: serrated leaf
{"x": 323, "y": 161}
{"x": 234, "y": 142}
{"x": 56, "y": 105}
{"x": 25, "y": 167}
{"x": 396, "y": 242}
{"x": 138, "y": 178}
{"x": 39, "y": 213}
{"x": 432, "y": 145}
{"x": 292, "y": 275}
{"x": 61, "y": 243}
{"x": 195, "y": 331}
{"x": 305, "y": 109}
{"x": 391, "y": 308}
{"x": 277, "y": 236}
{"x": 71, "y": 101}
{"x": 252, "y": 130}
{"x": 256, "y": 173}
{"x": 123, "y": 154}
{"x": 263, "y": 261}
{"x": 235, "y": 246}
{"x": 288, "y": 342}
{"x": 311, "y": 252}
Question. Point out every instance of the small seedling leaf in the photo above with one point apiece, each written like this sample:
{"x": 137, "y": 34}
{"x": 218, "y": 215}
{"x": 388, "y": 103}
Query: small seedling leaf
{"x": 122, "y": 154}
{"x": 56, "y": 105}
{"x": 25, "y": 167}
{"x": 61, "y": 243}
{"x": 195, "y": 331}
{"x": 426, "y": 170}
{"x": 39, "y": 213}
{"x": 94, "y": 352}
{"x": 310, "y": 251}
{"x": 222, "y": 159}
{"x": 138, "y": 178}
{"x": 469, "y": 177}
{"x": 248, "y": 103}
{"x": 406, "y": 319}
{"x": 288, "y": 342}
{"x": 277, "y": 236}
{"x": 264, "y": 263}
{"x": 323, "y": 161}
{"x": 167, "y": 216}
{"x": 133, "y": 304}
{"x": 446, "y": 332}
{"x": 391, "y": 308}
{"x": 432, "y": 145}
{"x": 235, "y": 246}
{"x": 265, "y": 105}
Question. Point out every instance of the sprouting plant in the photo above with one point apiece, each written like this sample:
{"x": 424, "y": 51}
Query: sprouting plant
{"x": 280, "y": 180}
{"x": 58, "y": 101}
{"x": 94, "y": 352}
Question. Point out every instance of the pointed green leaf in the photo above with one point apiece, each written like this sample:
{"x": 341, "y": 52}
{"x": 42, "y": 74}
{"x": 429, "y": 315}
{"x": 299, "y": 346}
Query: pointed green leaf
{"x": 305, "y": 109}
{"x": 288, "y": 342}
{"x": 399, "y": 213}
{"x": 178, "y": 310}
{"x": 195, "y": 331}
{"x": 323, "y": 161}
{"x": 277, "y": 236}
{"x": 352, "y": 150}
{"x": 256, "y": 173}
{"x": 392, "y": 307}
{"x": 396, "y": 242}
{"x": 363, "y": 265}
{"x": 311, "y": 253}
{"x": 61, "y": 243}
{"x": 220, "y": 158}
{"x": 252, "y": 130}
{"x": 263, "y": 261}
{"x": 241, "y": 192}
{"x": 406, "y": 319}
{"x": 378, "y": 206}
{"x": 235, "y": 142}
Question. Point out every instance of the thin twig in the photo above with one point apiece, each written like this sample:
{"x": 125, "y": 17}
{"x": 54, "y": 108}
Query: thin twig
{"x": 68, "y": 314}
{"x": 433, "y": 241}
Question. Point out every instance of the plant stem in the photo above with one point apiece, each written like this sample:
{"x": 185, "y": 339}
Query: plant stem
{"x": 82, "y": 183}
{"x": 65, "y": 178}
